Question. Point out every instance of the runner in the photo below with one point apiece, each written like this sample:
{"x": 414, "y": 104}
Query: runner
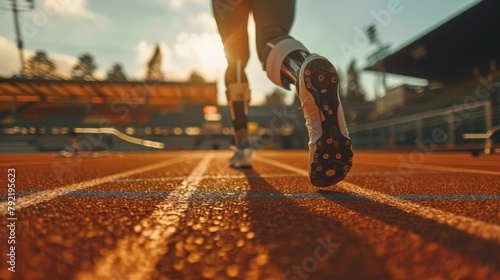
{"x": 287, "y": 61}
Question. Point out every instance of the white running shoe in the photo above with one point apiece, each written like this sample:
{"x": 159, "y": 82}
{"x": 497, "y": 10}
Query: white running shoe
{"x": 242, "y": 158}
{"x": 330, "y": 150}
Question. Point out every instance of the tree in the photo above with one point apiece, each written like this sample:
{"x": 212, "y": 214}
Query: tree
{"x": 115, "y": 74}
{"x": 154, "y": 66}
{"x": 40, "y": 66}
{"x": 84, "y": 68}
{"x": 196, "y": 78}
{"x": 276, "y": 98}
{"x": 353, "y": 92}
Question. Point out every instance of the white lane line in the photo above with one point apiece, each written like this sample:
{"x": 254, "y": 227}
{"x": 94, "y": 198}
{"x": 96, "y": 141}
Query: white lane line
{"x": 136, "y": 256}
{"x": 429, "y": 167}
{"x": 43, "y": 196}
{"x": 296, "y": 196}
{"x": 217, "y": 177}
{"x": 471, "y": 226}
{"x": 269, "y": 175}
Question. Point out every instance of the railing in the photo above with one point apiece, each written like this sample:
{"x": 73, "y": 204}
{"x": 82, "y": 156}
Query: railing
{"x": 488, "y": 137}
{"x": 450, "y": 122}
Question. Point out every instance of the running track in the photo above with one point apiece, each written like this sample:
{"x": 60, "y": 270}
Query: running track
{"x": 186, "y": 215}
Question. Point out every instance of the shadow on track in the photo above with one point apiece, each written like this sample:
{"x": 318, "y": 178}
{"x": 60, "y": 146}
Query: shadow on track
{"x": 289, "y": 233}
{"x": 468, "y": 246}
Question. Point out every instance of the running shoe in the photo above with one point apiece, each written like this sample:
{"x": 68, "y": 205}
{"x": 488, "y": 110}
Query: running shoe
{"x": 242, "y": 158}
{"x": 330, "y": 148}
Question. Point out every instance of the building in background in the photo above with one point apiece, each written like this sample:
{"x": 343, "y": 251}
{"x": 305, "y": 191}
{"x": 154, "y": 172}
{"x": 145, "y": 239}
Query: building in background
{"x": 39, "y": 115}
{"x": 459, "y": 59}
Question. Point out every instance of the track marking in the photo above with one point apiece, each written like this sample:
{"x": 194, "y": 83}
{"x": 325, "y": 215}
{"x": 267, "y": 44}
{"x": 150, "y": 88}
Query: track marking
{"x": 136, "y": 256}
{"x": 270, "y": 175}
{"x": 389, "y": 172}
{"x": 85, "y": 156}
{"x": 264, "y": 195}
{"x": 63, "y": 160}
{"x": 430, "y": 167}
{"x": 469, "y": 225}
{"x": 217, "y": 177}
{"x": 43, "y": 196}
{"x": 41, "y": 162}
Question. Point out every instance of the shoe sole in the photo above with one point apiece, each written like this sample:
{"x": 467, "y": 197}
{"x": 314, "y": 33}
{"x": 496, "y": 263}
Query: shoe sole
{"x": 332, "y": 159}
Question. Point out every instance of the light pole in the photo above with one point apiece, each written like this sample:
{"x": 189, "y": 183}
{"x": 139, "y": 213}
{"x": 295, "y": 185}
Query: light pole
{"x": 378, "y": 57}
{"x": 19, "y": 38}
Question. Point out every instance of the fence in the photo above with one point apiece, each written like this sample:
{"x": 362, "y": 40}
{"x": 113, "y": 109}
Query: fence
{"x": 447, "y": 124}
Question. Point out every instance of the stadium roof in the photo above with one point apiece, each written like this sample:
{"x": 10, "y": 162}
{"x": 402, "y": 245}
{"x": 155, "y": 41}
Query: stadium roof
{"x": 102, "y": 92}
{"x": 450, "y": 52}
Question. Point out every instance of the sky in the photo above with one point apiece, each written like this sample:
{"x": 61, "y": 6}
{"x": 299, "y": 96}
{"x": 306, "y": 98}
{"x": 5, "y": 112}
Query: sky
{"x": 126, "y": 31}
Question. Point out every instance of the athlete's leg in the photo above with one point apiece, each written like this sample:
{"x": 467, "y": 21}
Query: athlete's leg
{"x": 280, "y": 54}
{"x": 232, "y": 20}
{"x": 287, "y": 61}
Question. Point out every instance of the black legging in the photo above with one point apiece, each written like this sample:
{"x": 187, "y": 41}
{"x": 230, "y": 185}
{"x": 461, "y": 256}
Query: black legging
{"x": 273, "y": 20}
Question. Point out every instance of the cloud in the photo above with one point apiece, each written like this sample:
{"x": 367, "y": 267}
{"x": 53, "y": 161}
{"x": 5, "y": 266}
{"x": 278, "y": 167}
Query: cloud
{"x": 202, "y": 52}
{"x": 178, "y": 4}
{"x": 9, "y": 55}
{"x": 71, "y": 20}
{"x": 191, "y": 52}
{"x": 70, "y": 8}
{"x": 64, "y": 63}
{"x": 204, "y": 20}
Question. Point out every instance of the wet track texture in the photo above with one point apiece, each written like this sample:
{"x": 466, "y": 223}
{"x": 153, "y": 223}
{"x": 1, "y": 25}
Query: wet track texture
{"x": 187, "y": 215}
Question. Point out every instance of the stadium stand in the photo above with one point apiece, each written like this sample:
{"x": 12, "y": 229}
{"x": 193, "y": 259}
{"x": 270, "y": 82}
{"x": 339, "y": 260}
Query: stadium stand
{"x": 462, "y": 72}
{"x": 37, "y": 114}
